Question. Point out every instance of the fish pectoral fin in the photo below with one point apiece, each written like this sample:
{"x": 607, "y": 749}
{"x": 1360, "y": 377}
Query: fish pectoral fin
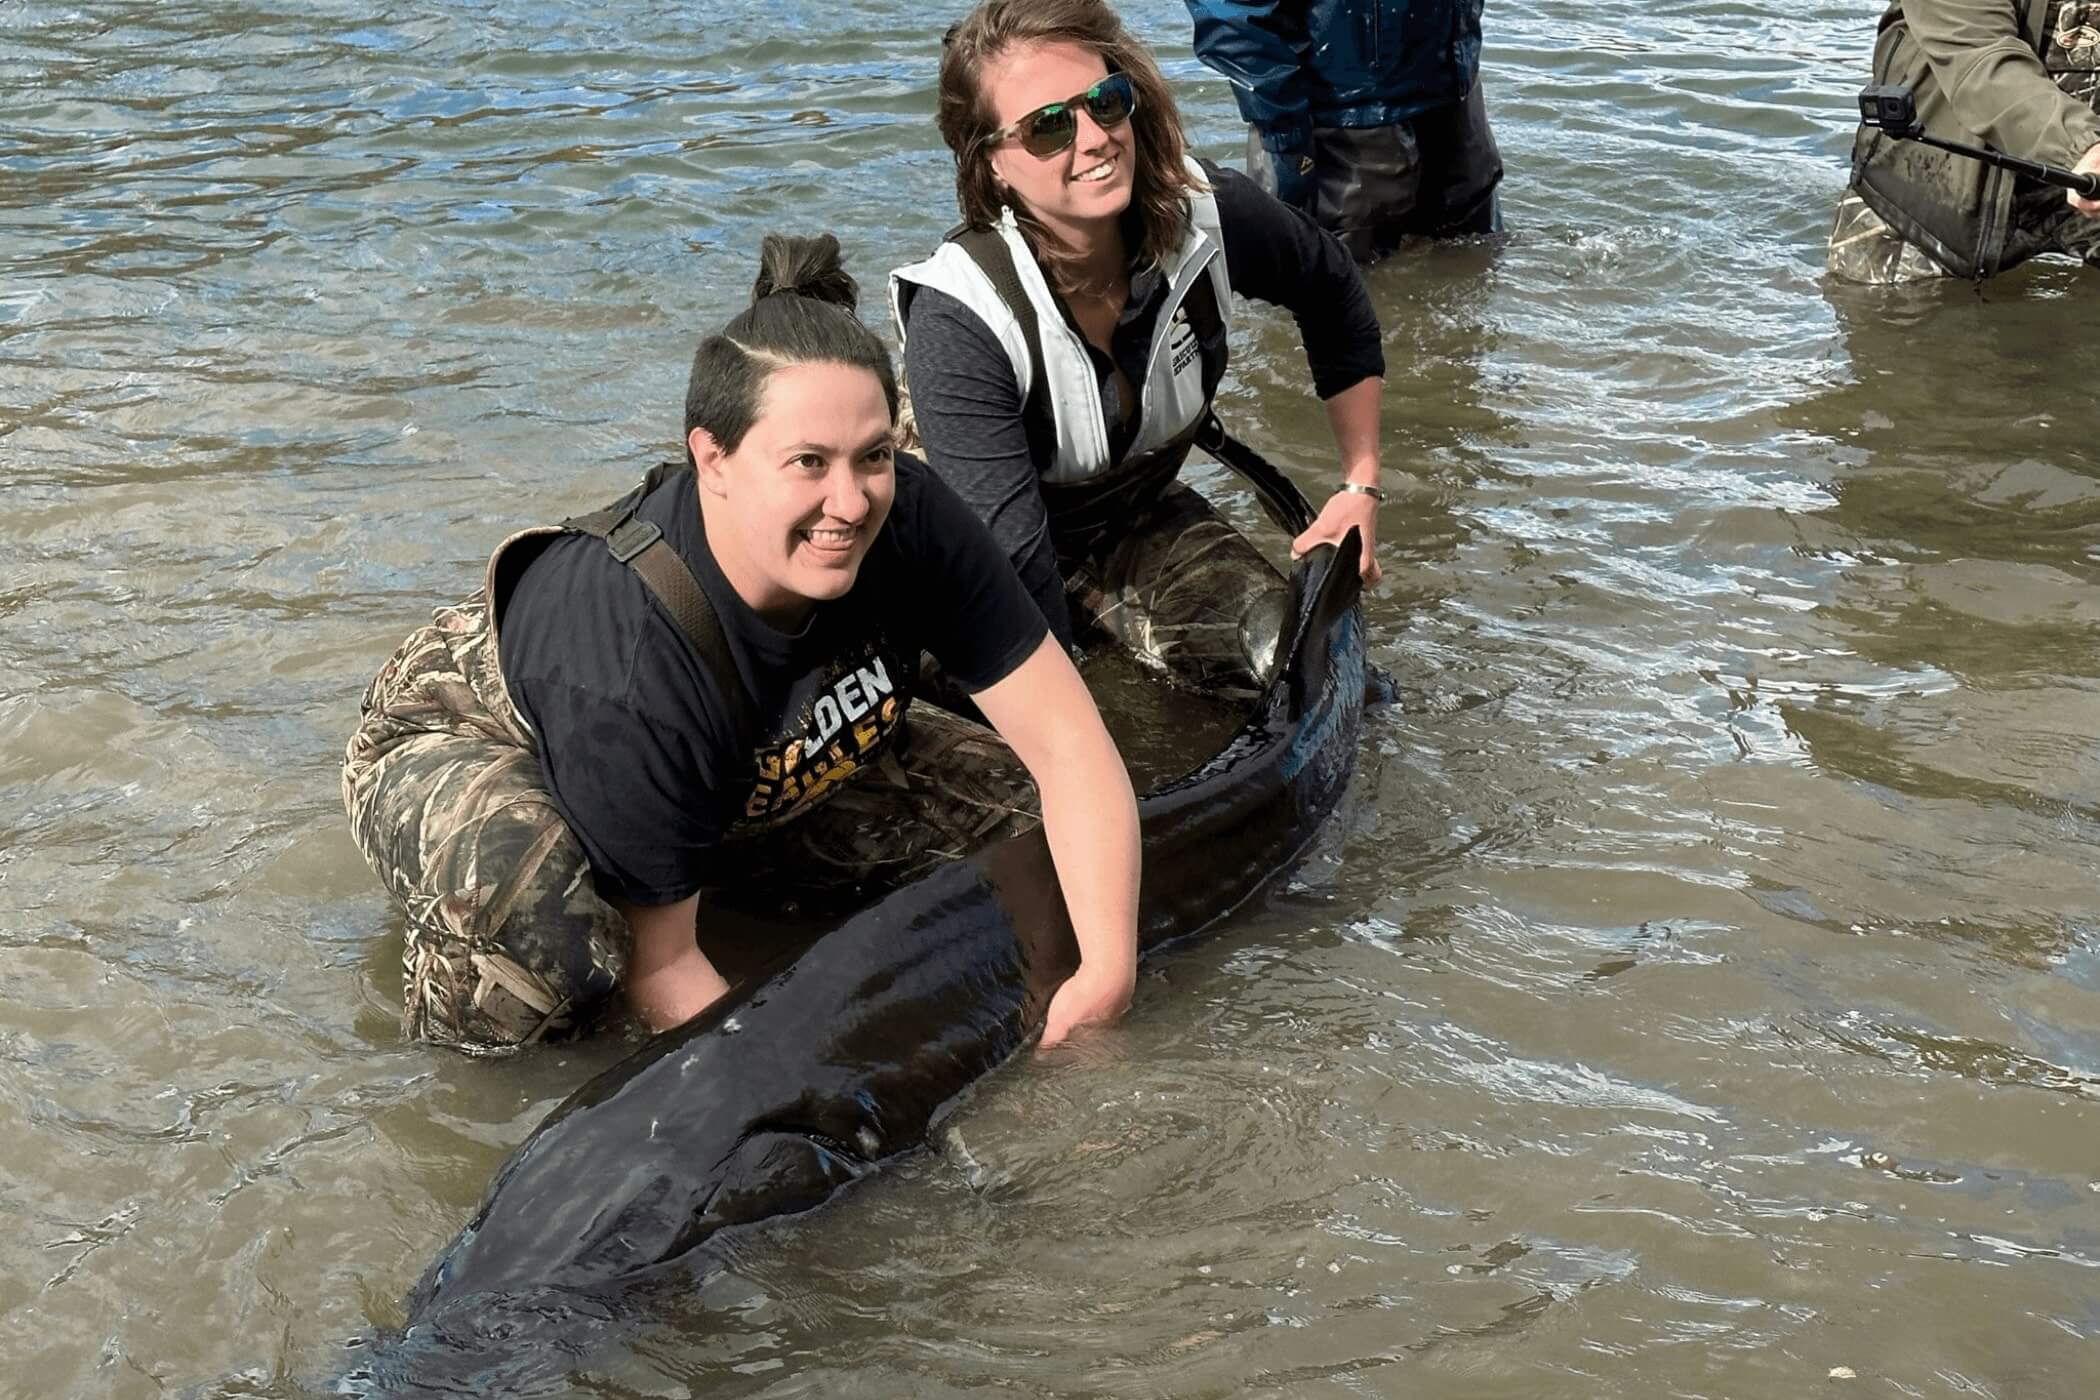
{"x": 780, "y": 1173}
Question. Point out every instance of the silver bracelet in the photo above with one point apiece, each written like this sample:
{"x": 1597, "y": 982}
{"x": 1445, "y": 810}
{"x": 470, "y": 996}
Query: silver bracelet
{"x": 1375, "y": 493}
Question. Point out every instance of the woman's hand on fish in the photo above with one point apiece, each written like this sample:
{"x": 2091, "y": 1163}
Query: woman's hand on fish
{"x": 1094, "y": 995}
{"x": 1345, "y": 511}
{"x": 1353, "y": 415}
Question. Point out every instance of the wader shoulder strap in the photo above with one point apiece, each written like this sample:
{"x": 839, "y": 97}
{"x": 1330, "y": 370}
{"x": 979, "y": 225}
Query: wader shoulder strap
{"x": 641, "y": 546}
{"x": 1278, "y": 494}
{"x": 996, "y": 261}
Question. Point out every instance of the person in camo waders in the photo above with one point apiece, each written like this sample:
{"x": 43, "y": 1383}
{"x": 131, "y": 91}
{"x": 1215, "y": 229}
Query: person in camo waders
{"x": 1063, "y": 349}
{"x": 2019, "y": 76}
{"x": 709, "y": 683}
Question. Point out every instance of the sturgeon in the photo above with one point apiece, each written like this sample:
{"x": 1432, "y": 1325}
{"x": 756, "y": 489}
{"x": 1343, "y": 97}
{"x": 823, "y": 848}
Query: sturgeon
{"x": 793, "y": 1087}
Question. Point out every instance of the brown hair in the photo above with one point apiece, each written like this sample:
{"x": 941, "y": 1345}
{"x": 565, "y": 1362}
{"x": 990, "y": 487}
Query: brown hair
{"x": 1161, "y": 181}
{"x": 801, "y": 313}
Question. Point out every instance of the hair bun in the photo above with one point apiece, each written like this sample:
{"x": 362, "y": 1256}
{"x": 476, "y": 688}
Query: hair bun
{"x": 804, "y": 267}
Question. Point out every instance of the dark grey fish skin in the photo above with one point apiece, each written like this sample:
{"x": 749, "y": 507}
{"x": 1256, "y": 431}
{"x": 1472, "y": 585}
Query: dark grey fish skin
{"x": 795, "y": 1086}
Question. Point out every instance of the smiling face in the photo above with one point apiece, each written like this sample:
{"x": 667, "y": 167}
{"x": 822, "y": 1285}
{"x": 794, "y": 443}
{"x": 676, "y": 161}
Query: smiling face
{"x": 790, "y": 514}
{"x": 1077, "y": 190}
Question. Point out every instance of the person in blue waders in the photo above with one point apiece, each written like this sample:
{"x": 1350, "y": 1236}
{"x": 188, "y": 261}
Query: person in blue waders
{"x": 1366, "y": 114}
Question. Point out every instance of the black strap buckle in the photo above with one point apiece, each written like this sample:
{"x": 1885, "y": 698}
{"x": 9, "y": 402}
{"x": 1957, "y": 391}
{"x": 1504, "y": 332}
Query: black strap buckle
{"x": 630, "y": 537}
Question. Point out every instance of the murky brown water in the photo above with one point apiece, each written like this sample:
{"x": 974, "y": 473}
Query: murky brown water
{"x": 1702, "y": 994}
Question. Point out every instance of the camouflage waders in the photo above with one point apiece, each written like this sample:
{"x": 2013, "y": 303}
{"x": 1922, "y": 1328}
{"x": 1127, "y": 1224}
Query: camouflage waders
{"x": 1863, "y": 248}
{"x": 1185, "y": 593}
{"x": 508, "y": 940}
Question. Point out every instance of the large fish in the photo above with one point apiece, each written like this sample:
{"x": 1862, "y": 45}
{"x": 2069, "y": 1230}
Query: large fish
{"x": 791, "y": 1088}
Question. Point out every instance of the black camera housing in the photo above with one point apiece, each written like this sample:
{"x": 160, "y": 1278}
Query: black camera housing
{"x": 1891, "y": 107}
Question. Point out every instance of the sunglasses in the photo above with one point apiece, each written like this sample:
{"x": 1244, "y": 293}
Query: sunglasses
{"x": 1054, "y": 125}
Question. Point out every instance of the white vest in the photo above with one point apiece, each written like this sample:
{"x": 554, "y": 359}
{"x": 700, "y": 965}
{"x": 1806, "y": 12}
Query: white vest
{"x": 1171, "y": 397}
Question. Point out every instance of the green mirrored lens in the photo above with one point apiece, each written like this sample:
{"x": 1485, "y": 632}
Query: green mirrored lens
{"x": 1108, "y": 102}
{"x": 1051, "y": 128}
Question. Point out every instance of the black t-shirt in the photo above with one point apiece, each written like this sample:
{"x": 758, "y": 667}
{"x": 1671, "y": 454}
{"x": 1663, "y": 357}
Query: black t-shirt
{"x": 636, "y": 744}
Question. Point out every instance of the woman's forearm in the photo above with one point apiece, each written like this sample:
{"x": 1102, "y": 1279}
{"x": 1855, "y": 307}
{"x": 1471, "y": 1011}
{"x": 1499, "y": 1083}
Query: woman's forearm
{"x": 1090, "y": 820}
{"x": 669, "y": 980}
{"x": 1353, "y": 416}
{"x": 1044, "y": 711}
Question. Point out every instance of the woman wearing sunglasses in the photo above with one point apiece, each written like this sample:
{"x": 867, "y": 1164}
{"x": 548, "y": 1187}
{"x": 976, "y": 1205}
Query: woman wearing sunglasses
{"x": 1083, "y": 214}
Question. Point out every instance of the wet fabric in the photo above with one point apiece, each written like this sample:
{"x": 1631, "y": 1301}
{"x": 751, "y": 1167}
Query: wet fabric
{"x": 1863, "y": 248}
{"x": 1338, "y": 63}
{"x": 508, "y": 940}
{"x": 1432, "y": 176}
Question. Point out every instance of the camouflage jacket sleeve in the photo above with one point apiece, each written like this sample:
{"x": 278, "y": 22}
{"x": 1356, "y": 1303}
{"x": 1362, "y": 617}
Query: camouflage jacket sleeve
{"x": 1997, "y": 85}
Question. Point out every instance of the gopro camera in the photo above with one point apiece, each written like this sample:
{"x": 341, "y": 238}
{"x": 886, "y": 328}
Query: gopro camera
{"x": 1890, "y": 107}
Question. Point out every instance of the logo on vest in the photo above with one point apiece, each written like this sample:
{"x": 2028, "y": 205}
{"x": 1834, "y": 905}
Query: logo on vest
{"x": 1181, "y": 340}
{"x": 842, "y": 730}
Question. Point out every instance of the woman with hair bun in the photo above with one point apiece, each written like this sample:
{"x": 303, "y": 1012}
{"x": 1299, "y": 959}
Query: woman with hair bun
{"x": 708, "y": 684}
{"x": 1064, "y": 348}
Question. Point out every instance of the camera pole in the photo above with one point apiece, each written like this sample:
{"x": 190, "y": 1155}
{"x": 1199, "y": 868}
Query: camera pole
{"x": 1889, "y": 106}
